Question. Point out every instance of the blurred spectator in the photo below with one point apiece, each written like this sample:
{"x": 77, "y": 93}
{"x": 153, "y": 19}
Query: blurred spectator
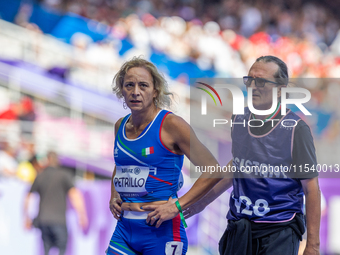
{"x": 11, "y": 113}
{"x": 22, "y": 111}
{"x": 54, "y": 185}
{"x": 24, "y": 14}
{"x": 8, "y": 164}
{"x": 27, "y": 117}
{"x": 27, "y": 109}
{"x": 27, "y": 170}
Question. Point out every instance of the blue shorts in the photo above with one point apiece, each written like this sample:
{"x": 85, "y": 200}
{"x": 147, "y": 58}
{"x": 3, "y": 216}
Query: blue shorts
{"x": 134, "y": 236}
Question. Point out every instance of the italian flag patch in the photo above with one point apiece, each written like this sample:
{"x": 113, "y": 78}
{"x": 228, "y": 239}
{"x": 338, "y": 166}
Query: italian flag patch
{"x": 147, "y": 151}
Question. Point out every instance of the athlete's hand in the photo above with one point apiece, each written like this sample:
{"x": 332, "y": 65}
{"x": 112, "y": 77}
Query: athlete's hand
{"x": 161, "y": 213}
{"x": 193, "y": 209}
{"x": 115, "y": 207}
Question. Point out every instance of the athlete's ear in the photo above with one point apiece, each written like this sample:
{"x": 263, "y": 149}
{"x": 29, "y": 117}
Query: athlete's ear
{"x": 155, "y": 94}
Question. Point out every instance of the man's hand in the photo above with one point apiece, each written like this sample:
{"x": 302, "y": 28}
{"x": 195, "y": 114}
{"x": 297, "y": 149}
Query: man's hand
{"x": 115, "y": 207}
{"x": 161, "y": 213}
{"x": 313, "y": 215}
{"x": 28, "y": 223}
{"x": 311, "y": 251}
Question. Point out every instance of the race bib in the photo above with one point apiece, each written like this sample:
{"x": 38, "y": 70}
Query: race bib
{"x": 130, "y": 181}
{"x": 173, "y": 248}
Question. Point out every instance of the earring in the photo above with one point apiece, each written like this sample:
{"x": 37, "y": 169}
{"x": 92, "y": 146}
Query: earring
{"x": 155, "y": 102}
{"x": 124, "y": 105}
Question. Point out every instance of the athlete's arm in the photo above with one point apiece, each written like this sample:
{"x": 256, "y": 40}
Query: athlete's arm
{"x": 115, "y": 200}
{"x": 313, "y": 214}
{"x": 214, "y": 193}
{"x": 178, "y": 136}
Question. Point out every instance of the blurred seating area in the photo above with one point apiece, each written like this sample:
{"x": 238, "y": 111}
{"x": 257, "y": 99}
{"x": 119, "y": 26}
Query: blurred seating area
{"x": 204, "y": 38}
{"x": 221, "y": 37}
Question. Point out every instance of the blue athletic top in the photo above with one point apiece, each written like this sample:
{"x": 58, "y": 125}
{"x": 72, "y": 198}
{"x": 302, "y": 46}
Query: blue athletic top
{"x": 145, "y": 169}
{"x": 262, "y": 191}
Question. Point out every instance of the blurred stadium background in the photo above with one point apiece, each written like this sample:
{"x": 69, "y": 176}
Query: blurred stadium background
{"x": 57, "y": 61}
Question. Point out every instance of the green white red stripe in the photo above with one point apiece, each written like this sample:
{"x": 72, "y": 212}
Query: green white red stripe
{"x": 273, "y": 115}
{"x": 147, "y": 151}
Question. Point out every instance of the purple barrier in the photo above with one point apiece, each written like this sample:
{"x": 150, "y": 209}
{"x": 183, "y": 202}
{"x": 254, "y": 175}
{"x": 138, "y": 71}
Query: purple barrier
{"x": 329, "y": 188}
{"x": 101, "y": 166}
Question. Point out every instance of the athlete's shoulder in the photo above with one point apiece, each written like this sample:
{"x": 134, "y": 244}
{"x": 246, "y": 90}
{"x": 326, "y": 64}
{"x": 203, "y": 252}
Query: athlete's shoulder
{"x": 175, "y": 130}
{"x": 117, "y": 124}
{"x": 173, "y": 121}
{"x": 175, "y": 125}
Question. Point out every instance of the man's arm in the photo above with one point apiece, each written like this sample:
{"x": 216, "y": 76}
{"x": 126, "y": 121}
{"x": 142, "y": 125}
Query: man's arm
{"x": 34, "y": 188}
{"x": 304, "y": 154}
{"x": 313, "y": 214}
{"x": 77, "y": 201}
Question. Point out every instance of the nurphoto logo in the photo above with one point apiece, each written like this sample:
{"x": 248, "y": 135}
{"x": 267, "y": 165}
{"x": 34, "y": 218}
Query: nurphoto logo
{"x": 238, "y": 101}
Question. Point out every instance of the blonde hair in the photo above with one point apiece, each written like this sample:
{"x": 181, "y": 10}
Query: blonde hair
{"x": 162, "y": 99}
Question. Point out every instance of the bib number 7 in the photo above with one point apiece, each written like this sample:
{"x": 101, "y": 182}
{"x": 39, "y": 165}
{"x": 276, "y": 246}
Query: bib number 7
{"x": 174, "y": 248}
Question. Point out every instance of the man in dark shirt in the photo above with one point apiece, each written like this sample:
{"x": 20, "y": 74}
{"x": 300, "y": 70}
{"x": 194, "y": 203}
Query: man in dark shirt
{"x": 265, "y": 215}
{"x": 54, "y": 185}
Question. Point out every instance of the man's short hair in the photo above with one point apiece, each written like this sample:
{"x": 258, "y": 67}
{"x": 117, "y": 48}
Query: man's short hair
{"x": 53, "y": 158}
{"x": 281, "y": 76}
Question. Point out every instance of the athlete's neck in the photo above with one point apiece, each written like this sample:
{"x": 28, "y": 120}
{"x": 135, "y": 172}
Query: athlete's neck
{"x": 140, "y": 118}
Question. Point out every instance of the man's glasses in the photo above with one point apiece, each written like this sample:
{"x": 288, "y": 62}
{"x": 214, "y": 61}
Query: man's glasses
{"x": 259, "y": 82}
